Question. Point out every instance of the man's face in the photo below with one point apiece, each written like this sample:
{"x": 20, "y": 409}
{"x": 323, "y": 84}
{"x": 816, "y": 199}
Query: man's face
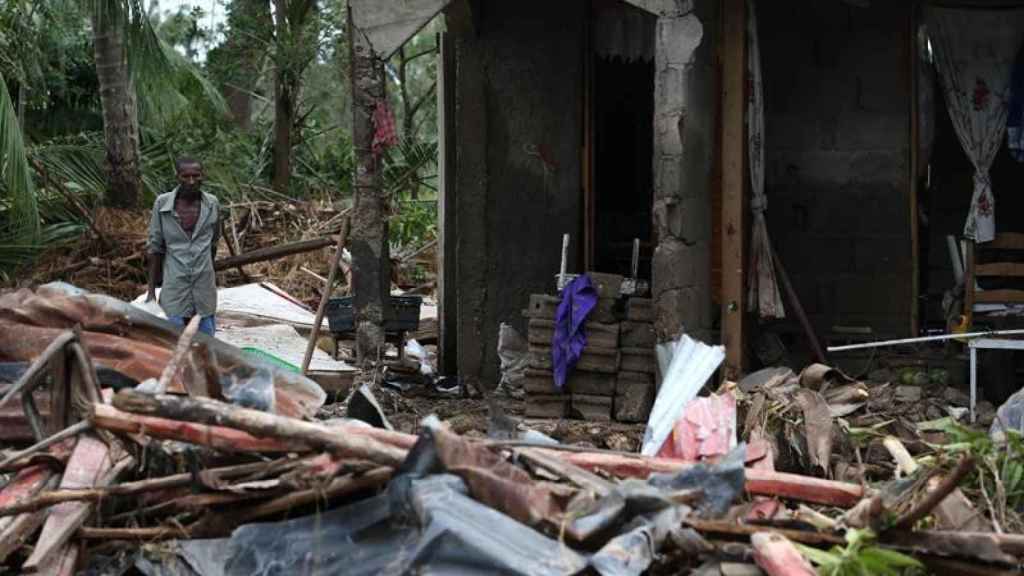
{"x": 190, "y": 177}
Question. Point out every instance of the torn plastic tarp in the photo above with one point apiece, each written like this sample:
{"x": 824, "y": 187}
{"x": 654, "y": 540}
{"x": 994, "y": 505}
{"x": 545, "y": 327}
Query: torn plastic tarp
{"x": 419, "y": 526}
{"x": 139, "y": 345}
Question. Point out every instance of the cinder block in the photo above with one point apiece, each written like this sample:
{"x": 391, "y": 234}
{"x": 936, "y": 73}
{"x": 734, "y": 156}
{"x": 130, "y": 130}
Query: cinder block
{"x": 540, "y": 331}
{"x": 607, "y": 285}
{"x": 539, "y": 357}
{"x": 602, "y": 335}
{"x": 603, "y": 360}
{"x": 546, "y": 405}
{"x": 590, "y": 407}
{"x": 542, "y": 306}
{"x": 593, "y": 359}
{"x": 637, "y": 360}
{"x": 640, "y": 310}
{"x": 539, "y": 382}
{"x": 637, "y": 335}
{"x": 634, "y": 399}
{"x": 607, "y": 311}
{"x": 595, "y": 383}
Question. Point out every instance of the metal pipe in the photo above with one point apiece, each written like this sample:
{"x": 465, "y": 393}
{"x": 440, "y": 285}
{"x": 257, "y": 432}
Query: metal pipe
{"x": 922, "y": 339}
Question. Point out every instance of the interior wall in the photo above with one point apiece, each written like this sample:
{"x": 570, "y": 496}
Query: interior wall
{"x": 837, "y": 169}
{"x": 518, "y": 115}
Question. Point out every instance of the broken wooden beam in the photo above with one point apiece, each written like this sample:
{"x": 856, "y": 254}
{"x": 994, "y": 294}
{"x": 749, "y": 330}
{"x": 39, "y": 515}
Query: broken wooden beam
{"x": 107, "y": 417}
{"x": 944, "y": 488}
{"x": 260, "y": 424}
{"x": 14, "y": 531}
{"x": 272, "y": 253}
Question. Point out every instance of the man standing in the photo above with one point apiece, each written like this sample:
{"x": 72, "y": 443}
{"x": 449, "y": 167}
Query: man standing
{"x": 183, "y": 233}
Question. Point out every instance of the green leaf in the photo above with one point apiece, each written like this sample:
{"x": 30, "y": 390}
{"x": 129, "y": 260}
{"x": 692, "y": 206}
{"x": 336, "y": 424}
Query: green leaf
{"x": 890, "y": 557}
{"x": 816, "y": 556}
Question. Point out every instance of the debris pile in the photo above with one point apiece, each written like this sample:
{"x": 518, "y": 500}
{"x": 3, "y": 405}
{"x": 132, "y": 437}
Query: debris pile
{"x": 614, "y": 375}
{"x": 169, "y": 452}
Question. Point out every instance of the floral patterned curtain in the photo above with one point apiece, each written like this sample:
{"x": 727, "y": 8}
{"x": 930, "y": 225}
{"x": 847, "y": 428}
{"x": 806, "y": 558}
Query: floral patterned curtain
{"x": 974, "y": 52}
{"x": 763, "y": 289}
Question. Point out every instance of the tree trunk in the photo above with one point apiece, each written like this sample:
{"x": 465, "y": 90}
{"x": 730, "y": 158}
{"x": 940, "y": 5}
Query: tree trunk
{"x": 371, "y": 272}
{"x": 283, "y": 104}
{"x": 120, "y": 117}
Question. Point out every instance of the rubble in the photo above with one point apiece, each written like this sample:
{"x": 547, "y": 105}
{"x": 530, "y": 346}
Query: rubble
{"x": 195, "y": 479}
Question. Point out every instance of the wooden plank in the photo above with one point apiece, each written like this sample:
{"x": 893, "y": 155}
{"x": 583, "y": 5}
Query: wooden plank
{"x": 734, "y": 144}
{"x": 89, "y": 463}
{"x": 1006, "y": 241}
{"x": 999, "y": 296}
{"x": 388, "y": 24}
{"x": 1015, "y": 269}
{"x": 26, "y": 483}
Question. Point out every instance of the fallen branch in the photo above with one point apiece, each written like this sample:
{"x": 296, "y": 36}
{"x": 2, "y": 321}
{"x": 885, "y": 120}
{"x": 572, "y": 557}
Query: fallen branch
{"x": 260, "y": 424}
{"x": 936, "y": 496}
{"x": 157, "y": 533}
{"x": 272, "y": 253}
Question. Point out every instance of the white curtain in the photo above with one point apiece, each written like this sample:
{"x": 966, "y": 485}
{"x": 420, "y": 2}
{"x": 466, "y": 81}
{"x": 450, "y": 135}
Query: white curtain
{"x": 763, "y": 289}
{"x": 974, "y": 52}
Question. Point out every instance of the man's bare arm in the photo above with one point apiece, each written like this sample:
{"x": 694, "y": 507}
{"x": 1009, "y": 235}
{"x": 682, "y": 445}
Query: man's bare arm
{"x": 156, "y": 265}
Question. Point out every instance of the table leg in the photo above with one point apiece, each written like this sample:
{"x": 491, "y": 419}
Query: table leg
{"x": 974, "y": 380}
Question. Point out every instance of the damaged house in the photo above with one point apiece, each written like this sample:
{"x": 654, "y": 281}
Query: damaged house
{"x": 715, "y": 133}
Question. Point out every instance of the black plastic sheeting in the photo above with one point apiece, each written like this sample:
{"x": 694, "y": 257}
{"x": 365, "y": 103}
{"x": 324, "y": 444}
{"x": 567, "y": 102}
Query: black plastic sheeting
{"x": 418, "y": 526}
{"x": 427, "y": 523}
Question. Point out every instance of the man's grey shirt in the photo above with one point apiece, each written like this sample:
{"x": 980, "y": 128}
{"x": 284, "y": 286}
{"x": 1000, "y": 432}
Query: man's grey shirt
{"x": 189, "y": 281}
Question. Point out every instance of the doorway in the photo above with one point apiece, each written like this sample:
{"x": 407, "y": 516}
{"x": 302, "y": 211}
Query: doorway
{"x": 621, "y": 138}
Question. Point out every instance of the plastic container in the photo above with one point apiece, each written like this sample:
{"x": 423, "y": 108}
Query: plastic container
{"x": 403, "y": 315}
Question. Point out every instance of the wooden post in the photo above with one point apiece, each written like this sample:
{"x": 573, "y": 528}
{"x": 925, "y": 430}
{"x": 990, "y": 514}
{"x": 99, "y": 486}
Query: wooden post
{"x": 371, "y": 270}
{"x": 734, "y": 173}
{"x": 331, "y": 275}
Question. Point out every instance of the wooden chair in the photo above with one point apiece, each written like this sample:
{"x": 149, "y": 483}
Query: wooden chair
{"x": 1000, "y": 264}
{"x": 1004, "y": 262}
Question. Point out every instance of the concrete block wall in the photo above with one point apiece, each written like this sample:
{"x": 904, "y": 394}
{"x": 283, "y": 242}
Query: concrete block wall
{"x": 519, "y": 83}
{"x": 837, "y": 144}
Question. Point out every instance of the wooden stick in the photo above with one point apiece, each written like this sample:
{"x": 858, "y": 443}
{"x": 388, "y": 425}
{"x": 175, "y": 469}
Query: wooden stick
{"x": 936, "y": 496}
{"x": 172, "y": 367}
{"x": 106, "y": 417}
{"x": 338, "y": 488}
{"x": 272, "y": 253}
{"x": 47, "y": 499}
{"x": 261, "y": 424}
{"x": 798, "y": 308}
{"x": 315, "y": 332}
{"x": 723, "y": 527}
{"x": 156, "y": 533}
{"x": 37, "y": 365}
{"x": 64, "y": 434}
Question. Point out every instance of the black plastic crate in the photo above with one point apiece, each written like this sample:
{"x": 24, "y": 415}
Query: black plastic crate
{"x": 403, "y": 315}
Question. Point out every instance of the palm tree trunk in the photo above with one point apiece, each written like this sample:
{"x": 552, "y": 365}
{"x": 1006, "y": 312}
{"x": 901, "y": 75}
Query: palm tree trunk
{"x": 120, "y": 117}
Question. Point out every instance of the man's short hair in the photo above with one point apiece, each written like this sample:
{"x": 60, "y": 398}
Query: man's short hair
{"x": 183, "y": 161}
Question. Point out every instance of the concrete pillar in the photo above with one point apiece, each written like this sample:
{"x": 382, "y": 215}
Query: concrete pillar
{"x": 684, "y": 135}
{"x": 368, "y": 243}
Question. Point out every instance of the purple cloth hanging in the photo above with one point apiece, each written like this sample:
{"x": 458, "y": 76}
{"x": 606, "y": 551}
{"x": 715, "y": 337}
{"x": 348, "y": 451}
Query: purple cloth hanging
{"x": 578, "y": 298}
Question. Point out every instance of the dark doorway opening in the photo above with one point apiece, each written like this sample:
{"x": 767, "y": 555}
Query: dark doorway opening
{"x": 623, "y": 148}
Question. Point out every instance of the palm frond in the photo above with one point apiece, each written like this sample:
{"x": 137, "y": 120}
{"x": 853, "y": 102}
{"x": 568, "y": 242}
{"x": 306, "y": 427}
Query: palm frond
{"x": 23, "y": 212}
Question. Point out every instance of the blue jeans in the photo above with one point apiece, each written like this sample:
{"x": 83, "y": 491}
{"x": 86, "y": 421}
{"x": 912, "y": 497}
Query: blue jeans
{"x": 207, "y": 324}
